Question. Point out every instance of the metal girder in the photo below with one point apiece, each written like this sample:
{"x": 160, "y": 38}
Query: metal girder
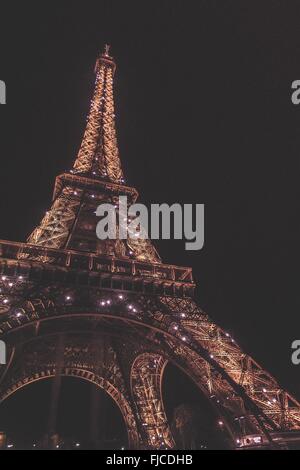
{"x": 146, "y": 375}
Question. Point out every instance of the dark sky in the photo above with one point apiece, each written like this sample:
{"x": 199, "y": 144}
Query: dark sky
{"x": 204, "y": 115}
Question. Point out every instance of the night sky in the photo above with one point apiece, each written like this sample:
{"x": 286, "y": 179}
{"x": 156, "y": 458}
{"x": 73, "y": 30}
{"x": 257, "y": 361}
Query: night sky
{"x": 204, "y": 115}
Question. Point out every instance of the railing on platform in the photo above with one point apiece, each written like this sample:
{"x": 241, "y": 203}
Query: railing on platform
{"x": 23, "y": 252}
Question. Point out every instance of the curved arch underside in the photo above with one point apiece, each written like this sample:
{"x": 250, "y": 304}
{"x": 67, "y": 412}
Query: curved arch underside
{"x": 101, "y": 382}
{"x": 143, "y": 332}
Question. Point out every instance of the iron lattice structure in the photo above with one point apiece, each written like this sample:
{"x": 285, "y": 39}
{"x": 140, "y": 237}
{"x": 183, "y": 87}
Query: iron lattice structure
{"x": 117, "y": 314}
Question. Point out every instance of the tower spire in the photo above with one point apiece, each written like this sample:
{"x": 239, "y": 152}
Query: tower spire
{"x": 98, "y": 156}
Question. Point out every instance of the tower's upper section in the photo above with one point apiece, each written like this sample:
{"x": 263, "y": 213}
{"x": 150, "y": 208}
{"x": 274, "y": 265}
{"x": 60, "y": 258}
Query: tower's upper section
{"x": 98, "y": 156}
{"x": 96, "y": 178}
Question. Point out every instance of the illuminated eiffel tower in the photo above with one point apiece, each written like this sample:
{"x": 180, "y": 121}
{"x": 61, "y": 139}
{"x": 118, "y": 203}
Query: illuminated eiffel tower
{"x": 110, "y": 312}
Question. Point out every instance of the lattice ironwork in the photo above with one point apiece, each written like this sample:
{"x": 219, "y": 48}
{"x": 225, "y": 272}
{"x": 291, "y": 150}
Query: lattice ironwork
{"x": 99, "y": 155}
{"x": 146, "y": 376}
{"x": 39, "y": 361}
{"x": 55, "y": 227}
{"x": 96, "y": 178}
{"x": 248, "y": 398}
{"x": 64, "y": 282}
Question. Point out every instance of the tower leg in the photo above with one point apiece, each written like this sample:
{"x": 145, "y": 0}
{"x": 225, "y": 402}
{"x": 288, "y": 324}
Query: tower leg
{"x": 146, "y": 376}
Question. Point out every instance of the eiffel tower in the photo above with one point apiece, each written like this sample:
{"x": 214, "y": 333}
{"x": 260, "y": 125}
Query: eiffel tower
{"x": 112, "y": 313}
